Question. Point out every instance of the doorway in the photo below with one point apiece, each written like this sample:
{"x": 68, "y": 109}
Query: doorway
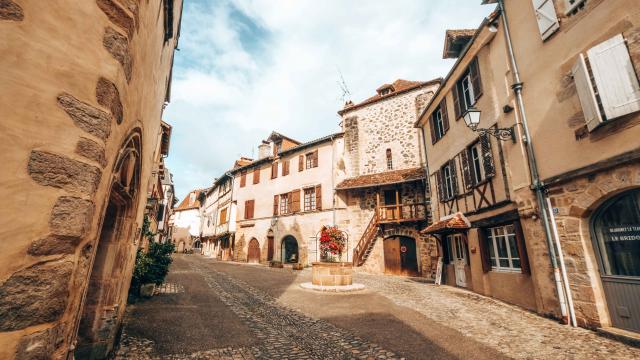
{"x": 253, "y": 254}
{"x": 270, "y": 247}
{"x": 616, "y": 238}
{"x": 400, "y": 256}
{"x": 289, "y": 250}
{"x": 458, "y": 251}
{"x": 391, "y": 200}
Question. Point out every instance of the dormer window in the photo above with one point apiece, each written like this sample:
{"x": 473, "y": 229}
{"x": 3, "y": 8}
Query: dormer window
{"x": 385, "y": 89}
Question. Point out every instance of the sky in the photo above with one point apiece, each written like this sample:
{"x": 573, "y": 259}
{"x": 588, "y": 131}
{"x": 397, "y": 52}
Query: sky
{"x": 248, "y": 67}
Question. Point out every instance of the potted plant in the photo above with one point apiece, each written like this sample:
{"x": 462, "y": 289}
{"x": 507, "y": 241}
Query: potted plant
{"x": 330, "y": 271}
{"x": 332, "y": 243}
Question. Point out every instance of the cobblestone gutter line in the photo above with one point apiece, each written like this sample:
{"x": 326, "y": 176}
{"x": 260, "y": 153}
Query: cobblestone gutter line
{"x": 514, "y": 332}
{"x": 285, "y": 333}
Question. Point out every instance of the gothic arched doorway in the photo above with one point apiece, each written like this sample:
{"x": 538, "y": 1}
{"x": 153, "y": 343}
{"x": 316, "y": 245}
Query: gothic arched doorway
{"x": 290, "y": 250}
{"x": 616, "y": 238}
{"x": 400, "y": 256}
{"x": 253, "y": 254}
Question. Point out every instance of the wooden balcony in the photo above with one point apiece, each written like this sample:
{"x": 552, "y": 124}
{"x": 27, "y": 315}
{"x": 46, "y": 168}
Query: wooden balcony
{"x": 401, "y": 213}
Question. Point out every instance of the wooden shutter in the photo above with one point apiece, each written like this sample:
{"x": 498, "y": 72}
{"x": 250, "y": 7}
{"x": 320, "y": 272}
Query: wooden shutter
{"x": 290, "y": 202}
{"x": 456, "y": 101}
{"x": 466, "y": 169}
{"x": 546, "y": 16}
{"x": 243, "y": 179}
{"x": 285, "y": 167}
{"x": 615, "y": 77}
{"x": 522, "y": 248}
{"x": 295, "y": 201}
{"x": 275, "y": 204}
{"x": 256, "y": 176}
{"x": 487, "y": 156}
{"x": 474, "y": 74}
{"x": 300, "y": 162}
{"x": 587, "y": 96}
{"x": 253, "y": 209}
{"x": 318, "y": 197}
{"x": 274, "y": 170}
{"x": 454, "y": 176}
{"x": 315, "y": 158}
{"x": 483, "y": 245}
{"x": 433, "y": 129}
{"x": 440, "y": 185}
{"x": 445, "y": 116}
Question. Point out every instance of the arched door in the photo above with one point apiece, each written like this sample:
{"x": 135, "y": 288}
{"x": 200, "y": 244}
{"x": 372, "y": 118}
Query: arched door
{"x": 253, "y": 254}
{"x": 400, "y": 256}
{"x": 289, "y": 250}
{"x": 616, "y": 237}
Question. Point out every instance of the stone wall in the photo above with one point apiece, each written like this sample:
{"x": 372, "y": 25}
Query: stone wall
{"x": 75, "y": 74}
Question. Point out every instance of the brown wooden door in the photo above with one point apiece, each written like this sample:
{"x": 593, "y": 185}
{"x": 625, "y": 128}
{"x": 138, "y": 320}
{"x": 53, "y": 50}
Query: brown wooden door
{"x": 253, "y": 255}
{"x": 408, "y": 256}
{"x": 269, "y": 248}
{"x": 392, "y": 256}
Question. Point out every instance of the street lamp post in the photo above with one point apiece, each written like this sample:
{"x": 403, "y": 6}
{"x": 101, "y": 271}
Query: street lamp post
{"x": 472, "y": 120}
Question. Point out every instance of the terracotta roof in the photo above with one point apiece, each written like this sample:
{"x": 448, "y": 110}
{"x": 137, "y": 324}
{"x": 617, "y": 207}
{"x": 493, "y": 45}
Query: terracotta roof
{"x": 384, "y": 178}
{"x": 184, "y": 205}
{"x": 242, "y": 162}
{"x": 397, "y": 87}
{"x": 456, "y": 222}
{"x": 455, "y": 41}
{"x": 311, "y": 143}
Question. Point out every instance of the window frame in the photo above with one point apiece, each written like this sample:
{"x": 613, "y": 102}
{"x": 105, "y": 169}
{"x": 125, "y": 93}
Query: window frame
{"x": 447, "y": 182}
{"x": 509, "y": 238}
{"x": 283, "y": 205}
{"x": 309, "y": 198}
{"x": 477, "y": 163}
{"x": 389, "y": 156}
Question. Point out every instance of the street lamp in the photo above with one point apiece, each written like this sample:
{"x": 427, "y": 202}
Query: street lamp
{"x": 472, "y": 120}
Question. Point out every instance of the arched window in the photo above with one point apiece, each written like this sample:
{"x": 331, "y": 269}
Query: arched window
{"x": 389, "y": 160}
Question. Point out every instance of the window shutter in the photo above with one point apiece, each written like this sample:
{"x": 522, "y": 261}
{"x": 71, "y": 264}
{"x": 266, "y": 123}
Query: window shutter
{"x": 285, "y": 167}
{"x": 547, "y": 18}
{"x": 300, "y": 162}
{"x": 256, "y": 176}
{"x": 522, "y": 249}
{"x": 487, "y": 156}
{"x": 243, "y": 179}
{"x": 456, "y": 101}
{"x": 315, "y": 158}
{"x": 253, "y": 209}
{"x": 454, "y": 176}
{"x": 318, "y": 197}
{"x": 466, "y": 169}
{"x": 445, "y": 116}
{"x": 474, "y": 72}
{"x": 295, "y": 202}
{"x": 439, "y": 184}
{"x": 274, "y": 170}
{"x": 246, "y": 209}
{"x": 483, "y": 245}
{"x": 432, "y": 129}
{"x": 584, "y": 87}
{"x": 275, "y": 205}
{"x": 290, "y": 202}
{"x": 615, "y": 77}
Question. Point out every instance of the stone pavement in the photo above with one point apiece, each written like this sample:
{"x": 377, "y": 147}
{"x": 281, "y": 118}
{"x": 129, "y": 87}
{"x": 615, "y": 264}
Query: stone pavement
{"x": 221, "y": 310}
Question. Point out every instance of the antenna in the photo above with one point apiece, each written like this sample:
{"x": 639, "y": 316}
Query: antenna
{"x": 346, "y": 94}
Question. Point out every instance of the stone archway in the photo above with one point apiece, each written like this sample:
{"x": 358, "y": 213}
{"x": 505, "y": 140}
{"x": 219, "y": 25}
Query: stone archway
{"x": 289, "y": 250}
{"x": 107, "y": 288}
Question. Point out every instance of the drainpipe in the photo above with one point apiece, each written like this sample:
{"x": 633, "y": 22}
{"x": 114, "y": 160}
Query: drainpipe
{"x": 333, "y": 186}
{"x": 537, "y": 185}
{"x": 426, "y": 170}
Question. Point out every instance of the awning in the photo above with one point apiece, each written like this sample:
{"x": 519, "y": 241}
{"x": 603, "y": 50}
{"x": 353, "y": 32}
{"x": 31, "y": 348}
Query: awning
{"x": 384, "y": 178}
{"x": 448, "y": 224}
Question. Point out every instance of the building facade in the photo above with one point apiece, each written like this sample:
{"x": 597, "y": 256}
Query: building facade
{"x": 218, "y": 218}
{"x": 77, "y": 149}
{"x": 384, "y": 190}
{"x": 187, "y": 221}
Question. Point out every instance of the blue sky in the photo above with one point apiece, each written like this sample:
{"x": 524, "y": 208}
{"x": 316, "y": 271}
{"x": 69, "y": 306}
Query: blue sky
{"x": 248, "y": 67}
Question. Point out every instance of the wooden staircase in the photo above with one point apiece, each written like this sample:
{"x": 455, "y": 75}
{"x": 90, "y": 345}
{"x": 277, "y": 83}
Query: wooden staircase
{"x": 365, "y": 245}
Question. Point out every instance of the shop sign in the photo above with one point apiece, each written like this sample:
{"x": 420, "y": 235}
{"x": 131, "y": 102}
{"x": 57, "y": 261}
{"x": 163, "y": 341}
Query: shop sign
{"x": 623, "y": 233}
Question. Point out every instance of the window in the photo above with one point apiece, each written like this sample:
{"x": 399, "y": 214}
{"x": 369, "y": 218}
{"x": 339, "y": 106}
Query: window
{"x": 503, "y": 248}
{"x": 439, "y": 122}
{"x": 389, "y": 160}
{"x": 284, "y": 203}
{"x": 468, "y": 89}
{"x": 300, "y": 162}
{"x": 571, "y": 7}
{"x": 312, "y": 160}
{"x": 248, "y": 209}
{"x": 168, "y": 20}
{"x": 475, "y": 153}
{"x": 448, "y": 178}
{"x": 223, "y": 216}
{"x": 606, "y": 82}
{"x": 309, "y": 199}
{"x": 243, "y": 179}
{"x": 274, "y": 170}
{"x": 256, "y": 176}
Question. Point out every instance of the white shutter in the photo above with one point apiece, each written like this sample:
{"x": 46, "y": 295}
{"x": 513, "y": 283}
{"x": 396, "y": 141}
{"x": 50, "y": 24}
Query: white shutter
{"x": 615, "y": 78}
{"x": 592, "y": 115}
{"x": 547, "y": 18}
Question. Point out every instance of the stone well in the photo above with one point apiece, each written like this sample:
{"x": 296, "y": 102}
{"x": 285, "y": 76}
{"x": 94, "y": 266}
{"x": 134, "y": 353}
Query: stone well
{"x": 332, "y": 273}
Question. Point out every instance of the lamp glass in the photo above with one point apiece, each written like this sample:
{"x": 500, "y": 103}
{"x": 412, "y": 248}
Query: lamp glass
{"x": 472, "y": 118}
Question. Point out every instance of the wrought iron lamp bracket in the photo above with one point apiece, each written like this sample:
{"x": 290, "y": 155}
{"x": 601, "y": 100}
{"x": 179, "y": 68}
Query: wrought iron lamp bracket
{"x": 503, "y": 134}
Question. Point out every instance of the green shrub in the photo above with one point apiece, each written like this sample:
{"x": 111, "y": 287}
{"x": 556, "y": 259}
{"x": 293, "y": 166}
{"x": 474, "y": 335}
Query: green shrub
{"x": 151, "y": 266}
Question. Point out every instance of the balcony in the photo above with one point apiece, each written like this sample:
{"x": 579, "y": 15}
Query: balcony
{"x": 401, "y": 213}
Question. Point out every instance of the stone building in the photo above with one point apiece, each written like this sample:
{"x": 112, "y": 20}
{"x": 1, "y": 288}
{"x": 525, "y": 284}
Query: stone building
{"x": 218, "y": 218}
{"x": 187, "y": 221}
{"x": 384, "y": 190}
{"x": 284, "y": 198}
{"x": 165, "y": 209}
{"x": 83, "y": 88}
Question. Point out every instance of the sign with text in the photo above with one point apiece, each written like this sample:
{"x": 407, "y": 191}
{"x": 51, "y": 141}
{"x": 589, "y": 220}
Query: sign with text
{"x": 623, "y": 233}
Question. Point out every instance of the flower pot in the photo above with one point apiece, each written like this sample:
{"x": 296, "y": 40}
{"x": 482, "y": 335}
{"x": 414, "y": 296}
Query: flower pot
{"x": 332, "y": 273}
{"x": 146, "y": 290}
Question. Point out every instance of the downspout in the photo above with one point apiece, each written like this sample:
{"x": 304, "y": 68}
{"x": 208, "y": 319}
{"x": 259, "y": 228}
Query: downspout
{"x": 537, "y": 185}
{"x": 232, "y": 237}
{"x": 426, "y": 172}
{"x": 333, "y": 183}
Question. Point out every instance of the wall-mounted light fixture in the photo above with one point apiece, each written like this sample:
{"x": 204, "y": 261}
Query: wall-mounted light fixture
{"x": 472, "y": 120}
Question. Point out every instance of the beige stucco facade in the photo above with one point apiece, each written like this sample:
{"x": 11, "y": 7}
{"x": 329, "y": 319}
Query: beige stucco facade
{"x": 83, "y": 87}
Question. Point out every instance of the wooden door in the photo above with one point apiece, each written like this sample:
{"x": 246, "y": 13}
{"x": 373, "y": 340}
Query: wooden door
{"x": 253, "y": 255}
{"x": 459, "y": 255}
{"x": 269, "y": 248}
{"x": 392, "y": 256}
{"x": 408, "y": 256}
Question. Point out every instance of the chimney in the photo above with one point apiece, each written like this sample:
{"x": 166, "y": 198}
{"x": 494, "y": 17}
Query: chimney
{"x": 264, "y": 150}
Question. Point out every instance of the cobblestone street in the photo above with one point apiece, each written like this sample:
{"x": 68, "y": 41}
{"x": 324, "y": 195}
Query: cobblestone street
{"x": 216, "y": 310}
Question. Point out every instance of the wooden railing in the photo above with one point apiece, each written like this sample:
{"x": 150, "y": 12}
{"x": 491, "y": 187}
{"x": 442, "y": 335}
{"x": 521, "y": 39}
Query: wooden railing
{"x": 364, "y": 246}
{"x": 401, "y": 213}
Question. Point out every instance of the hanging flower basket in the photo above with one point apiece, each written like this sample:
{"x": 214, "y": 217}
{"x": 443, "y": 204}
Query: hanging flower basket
{"x": 332, "y": 243}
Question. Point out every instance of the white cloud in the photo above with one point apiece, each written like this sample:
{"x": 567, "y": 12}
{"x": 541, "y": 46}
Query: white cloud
{"x": 248, "y": 67}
